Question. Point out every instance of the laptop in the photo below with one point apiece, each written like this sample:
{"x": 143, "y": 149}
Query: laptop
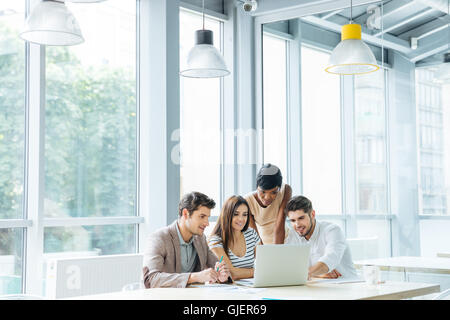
{"x": 279, "y": 265}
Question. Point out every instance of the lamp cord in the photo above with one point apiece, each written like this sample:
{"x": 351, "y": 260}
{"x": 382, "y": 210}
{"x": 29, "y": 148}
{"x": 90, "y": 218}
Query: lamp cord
{"x": 382, "y": 35}
{"x": 351, "y": 11}
{"x": 203, "y": 13}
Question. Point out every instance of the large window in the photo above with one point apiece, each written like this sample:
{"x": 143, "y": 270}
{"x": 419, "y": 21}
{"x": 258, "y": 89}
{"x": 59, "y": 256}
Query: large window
{"x": 12, "y": 143}
{"x": 370, "y": 141}
{"x": 274, "y": 109}
{"x": 433, "y": 130}
{"x": 200, "y": 118}
{"x": 434, "y": 143}
{"x": 371, "y": 164}
{"x": 90, "y": 131}
{"x": 321, "y": 133}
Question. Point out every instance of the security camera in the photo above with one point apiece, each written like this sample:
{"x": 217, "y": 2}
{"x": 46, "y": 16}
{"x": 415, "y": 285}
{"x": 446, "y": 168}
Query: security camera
{"x": 249, "y": 5}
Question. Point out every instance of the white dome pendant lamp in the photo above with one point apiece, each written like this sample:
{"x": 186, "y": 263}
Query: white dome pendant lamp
{"x": 351, "y": 56}
{"x": 204, "y": 60}
{"x": 51, "y": 23}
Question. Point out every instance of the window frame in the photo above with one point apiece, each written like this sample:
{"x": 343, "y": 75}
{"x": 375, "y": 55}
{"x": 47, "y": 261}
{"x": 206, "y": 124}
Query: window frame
{"x": 348, "y": 174}
{"x": 224, "y": 29}
{"x": 34, "y": 222}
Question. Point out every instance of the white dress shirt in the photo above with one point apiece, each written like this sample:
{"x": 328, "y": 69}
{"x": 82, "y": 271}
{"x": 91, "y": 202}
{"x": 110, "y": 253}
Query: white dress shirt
{"x": 328, "y": 245}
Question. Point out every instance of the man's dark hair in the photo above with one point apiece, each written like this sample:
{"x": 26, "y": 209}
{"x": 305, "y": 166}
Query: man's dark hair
{"x": 194, "y": 200}
{"x": 269, "y": 177}
{"x": 299, "y": 203}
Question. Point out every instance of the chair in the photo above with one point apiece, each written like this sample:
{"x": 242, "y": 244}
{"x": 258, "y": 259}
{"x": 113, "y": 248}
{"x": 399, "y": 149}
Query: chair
{"x": 444, "y": 295}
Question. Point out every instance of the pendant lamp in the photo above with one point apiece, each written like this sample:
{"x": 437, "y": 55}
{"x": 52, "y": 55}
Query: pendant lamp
{"x": 351, "y": 55}
{"x": 51, "y": 23}
{"x": 204, "y": 60}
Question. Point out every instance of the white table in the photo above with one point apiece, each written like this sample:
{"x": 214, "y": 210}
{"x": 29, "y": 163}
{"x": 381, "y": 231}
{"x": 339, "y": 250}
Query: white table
{"x": 437, "y": 265}
{"x": 311, "y": 291}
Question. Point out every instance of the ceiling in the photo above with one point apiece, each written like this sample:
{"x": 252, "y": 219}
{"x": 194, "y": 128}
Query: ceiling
{"x": 419, "y": 29}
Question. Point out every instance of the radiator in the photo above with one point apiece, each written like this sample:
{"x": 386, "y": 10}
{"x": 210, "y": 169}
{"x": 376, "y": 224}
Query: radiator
{"x": 71, "y": 277}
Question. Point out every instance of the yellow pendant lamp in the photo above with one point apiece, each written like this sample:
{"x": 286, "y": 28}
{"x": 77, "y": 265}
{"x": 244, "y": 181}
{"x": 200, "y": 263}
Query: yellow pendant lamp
{"x": 351, "y": 55}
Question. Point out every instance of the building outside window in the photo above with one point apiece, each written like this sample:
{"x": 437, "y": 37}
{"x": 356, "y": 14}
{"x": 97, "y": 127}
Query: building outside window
{"x": 370, "y": 125}
{"x": 433, "y": 143}
{"x": 433, "y": 166}
{"x": 371, "y": 165}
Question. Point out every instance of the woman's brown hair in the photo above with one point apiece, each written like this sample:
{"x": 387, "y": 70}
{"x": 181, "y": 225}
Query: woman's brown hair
{"x": 223, "y": 227}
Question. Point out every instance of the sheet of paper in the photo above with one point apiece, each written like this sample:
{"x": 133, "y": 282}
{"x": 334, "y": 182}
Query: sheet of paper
{"x": 250, "y": 290}
{"x": 338, "y": 281}
{"x": 215, "y": 285}
{"x": 245, "y": 282}
{"x": 288, "y": 298}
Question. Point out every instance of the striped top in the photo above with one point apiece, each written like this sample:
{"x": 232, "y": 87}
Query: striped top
{"x": 246, "y": 261}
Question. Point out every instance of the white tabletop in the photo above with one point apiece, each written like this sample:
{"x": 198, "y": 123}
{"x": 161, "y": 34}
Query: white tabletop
{"x": 311, "y": 291}
{"x": 410, "y": 264}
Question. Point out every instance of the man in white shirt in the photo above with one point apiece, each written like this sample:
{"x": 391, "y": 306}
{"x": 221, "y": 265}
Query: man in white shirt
{"x": 330, "y": 255}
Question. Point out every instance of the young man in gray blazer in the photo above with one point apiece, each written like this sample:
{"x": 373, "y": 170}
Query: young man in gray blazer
{"x": 178, "y": 254}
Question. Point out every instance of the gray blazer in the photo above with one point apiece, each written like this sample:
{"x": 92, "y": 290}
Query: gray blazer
{"x": 162, "y": 258}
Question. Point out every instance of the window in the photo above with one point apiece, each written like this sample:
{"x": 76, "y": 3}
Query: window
{"x": 433, "y": 125}
{"x": 200, "y": 118}
{"x": 321, "y": 133}
{"x": 90, "y": 132}
{"x": 434, "y": 143}
{"x": 370, "y": 142}
{"x": 275, "y": 102}
{"x": 12, "y": 144}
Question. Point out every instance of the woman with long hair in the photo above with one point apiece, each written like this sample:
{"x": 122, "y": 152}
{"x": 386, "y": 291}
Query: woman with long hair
{"x": 233, "y": 239}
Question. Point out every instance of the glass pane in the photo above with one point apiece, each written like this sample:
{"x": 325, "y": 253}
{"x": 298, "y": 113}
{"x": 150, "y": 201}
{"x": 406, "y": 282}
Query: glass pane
{"x": 200, "y": 107}
{"x": 373, "y": 237}
{"x": 321, "y": 132}
{"x": 434, "y": 237}
{"x": 90, "y": 133}
{"x": 433, "y": 120}
{"x": 92, "y": 240}
{"x": 11, "y": 260}
{"x": 370, "y": 136}
{"x": 12, "y": 109}
{"x": 274, "y": 81}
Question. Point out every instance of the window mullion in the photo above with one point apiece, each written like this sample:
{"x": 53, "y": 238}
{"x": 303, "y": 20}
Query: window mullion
{"x": 34, "y": 177}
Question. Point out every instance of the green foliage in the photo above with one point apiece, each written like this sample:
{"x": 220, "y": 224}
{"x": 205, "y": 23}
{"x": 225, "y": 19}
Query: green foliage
{"x": 12, "y": 123}
{"x": 90, "y": 142}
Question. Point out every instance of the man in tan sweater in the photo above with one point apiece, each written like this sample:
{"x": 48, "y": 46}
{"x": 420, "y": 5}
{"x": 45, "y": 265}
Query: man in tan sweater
{"x": 178, "y": 254}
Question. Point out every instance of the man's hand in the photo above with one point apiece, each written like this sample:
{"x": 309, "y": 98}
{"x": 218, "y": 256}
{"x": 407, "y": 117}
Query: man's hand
{"x": 224, "y": 272}
{"x": 208, "y": 275}
{"x": 334, "y": 274}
